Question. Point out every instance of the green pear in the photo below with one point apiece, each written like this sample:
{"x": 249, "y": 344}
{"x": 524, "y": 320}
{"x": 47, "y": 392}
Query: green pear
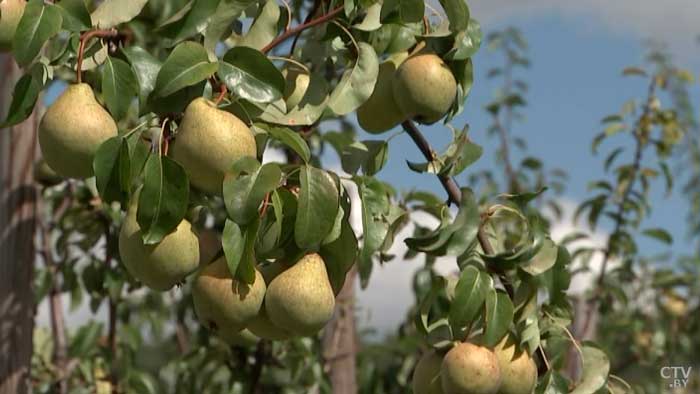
{"x": 296, "y": 84}
{"x": 208, "y": 142}
{"x": 426, "y": 377}
{"x": 261, "y": 325}
{"x": 470, "y": 369}
{"x": 72, "y": 129}
{"x": 301, "y": 299}
{"x": 163, "y": 265}
{"x": 380, "y": 112}
{"x": 424, "y": 88}
{"x": 10, "y": 13}
{"x": 224, "y": 303}
{"x": 518, "y": 370}
{"x": 43, "y": 174}
{"x": 240, "y": 338}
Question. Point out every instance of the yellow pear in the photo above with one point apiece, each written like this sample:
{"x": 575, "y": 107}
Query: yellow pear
{"x": 380, "y": 112}
{"x": 224, "y": 303}
{"x": 424, "y": 88}
{"x": 10, "y": 13}
{"x": 72, "y": 129}
{"x": 261, "y": 325}
{"x": 426, "y": 377}
{"x": 296, "y": 84}
{"x": 208, "y": 142}
{"x": 163, "y": 265}
{"x": 240, "y": 338}
{"x": 301, "y": 299}
{"x": 518, "y": 370}
{"x": 470, "y": 369}
{"x": 44, "y": 175}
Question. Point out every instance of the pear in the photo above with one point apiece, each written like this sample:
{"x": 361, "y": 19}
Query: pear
{"x": 296, "y": 84}
{"x": 518, "y": 370}
{"x": 72, "y": 129}
{"x": 240, "y": 338}
{"x": 208, "y": 142}
{"x": 261, "y": 325}
{"x": 209, "y": 246}
{"x": 10, "y": 13}
{"x": 301, "y": 299}
{"x": 163, "y": 265}
{"x": 44, "y": 175}
{"x": 380, "y": 112}
{"x": 470, "y": 369}
{"x": 424, "y": 88}
{"x": 426, "y": 377}
{"x": 224, "y": 303}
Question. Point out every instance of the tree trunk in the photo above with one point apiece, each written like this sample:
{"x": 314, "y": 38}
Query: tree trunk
{"x": 340, "y": 340}
{"x": 18, "y": 198}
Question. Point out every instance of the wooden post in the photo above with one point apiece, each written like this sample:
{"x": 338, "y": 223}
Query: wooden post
{"x": 18, "y": 198}
{"x": 340, "y": 340}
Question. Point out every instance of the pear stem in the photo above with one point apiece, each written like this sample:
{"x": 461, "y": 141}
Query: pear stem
{"x": 222, "y": 93}
{"x": 299, "y": 28}
{"x": 84, "y": 38}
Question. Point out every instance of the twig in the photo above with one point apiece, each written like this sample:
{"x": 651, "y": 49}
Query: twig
{"x": 312, "y": 12}
{"x": 260, "y": 356}
{"x": 298, "y": 29}
{"x": 84, "y": 38}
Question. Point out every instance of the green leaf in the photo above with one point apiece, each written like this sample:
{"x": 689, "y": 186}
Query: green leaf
{"x": 76, "y": 16}
{"x": 467, "y": 42}
{"x": 369, "y": 155}
{"x": 543, "y": 260}
{"x": 244, "y": 193}
{"x": 411, "y": 10}
{"x": 340, "y": 254}
{"x": 146, "y": 67}
{"x": 220, "y": 23}
{"x": 233, "y": 243}
{"x": 375, "y": 205}
{"x": 163, "y": 200}
{"x": 251, "y": 75}
{"x": 499, "y": 315}
{"x": 246, "y": 268}
{"x": 38, "y": 24}
{"x": 292, "y": 140}
{"x": 659, "y": 234}
{"x": 111, "y": 13}
{"x": 318, "y": 205}
{"x": 112, "y": 169}
{"x": 186, "y": 65}
{"x": 552, "y": 383}
{"x": 371, "y": 21}
{"x": 596, "y": 367}
{"x": 194, "y": 22}
{"x": 24, "y": 99}
{"x": 457, "y": 13}
{"x": 264, "y": 28}
{"x": 85, "y": 340}
{"x": 357, "y": 83}
{"x": 469, "y": 297}
{"x": 119, "y": 86}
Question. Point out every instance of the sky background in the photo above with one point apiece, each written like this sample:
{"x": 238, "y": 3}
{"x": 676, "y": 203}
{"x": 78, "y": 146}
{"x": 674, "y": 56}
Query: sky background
{"x": 577, "y": 50}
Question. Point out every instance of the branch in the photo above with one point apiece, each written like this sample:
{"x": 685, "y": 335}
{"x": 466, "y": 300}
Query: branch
{"x": 260, "y": 356}
{"x": 84, "y": 38}
{"x": 298, "y": 29}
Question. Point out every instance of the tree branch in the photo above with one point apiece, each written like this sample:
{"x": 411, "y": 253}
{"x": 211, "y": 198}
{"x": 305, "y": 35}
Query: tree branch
{"x": 84, "y": 38}
{"x": 298, "y": 29}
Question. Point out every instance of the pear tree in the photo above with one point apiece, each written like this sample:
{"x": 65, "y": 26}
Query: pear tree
{"x": 156, "y": 154}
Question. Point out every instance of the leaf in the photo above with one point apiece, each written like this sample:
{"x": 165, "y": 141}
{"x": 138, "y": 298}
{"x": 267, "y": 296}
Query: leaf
{"x": 112, "y": 169}
{"x": 24, "y": 99}
{"x": 596, "y": 367}
{"x": 119, "y": 86}
{"x": 422, "y": 321}
{"x": 186, "y": 65}
{"x": 369, "y": 155}
{"x": 246, "y": 268}
{"x": 411, "y": 10}
{"x": 467, "y": 42}
{"x": 543, "y": 260}
{"x": 146, "y": 68}
{"x": 233, "y": 244}
{"x": 244, "y": 193}
{"x": 76, "y": 16}
{"x": 552, "y": 383}
{"x": 38, "y": 24}
{"x": 659, "y": 234}
{"x": 469, "y": 297}
{"x": 357, "y": 83}
{"x": 371, "y": 21}
{"x": 264, "y": 28}
{"x": 220, "y": 24}
{"x": 251, "y": 75}
{"x": 163, "y": 200}
{"x": 85, "y": 340}
{"x": 340, "y": 254}
{"x": 318, "y": 205}
{"x": 457, "y": 13}
{"x": 194, "y": 22}
{"x": 375, "y": 205}
{"x": 499, "y": 315}
{"x": 292, "y": 140}
{"x": 111, "y": 13}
